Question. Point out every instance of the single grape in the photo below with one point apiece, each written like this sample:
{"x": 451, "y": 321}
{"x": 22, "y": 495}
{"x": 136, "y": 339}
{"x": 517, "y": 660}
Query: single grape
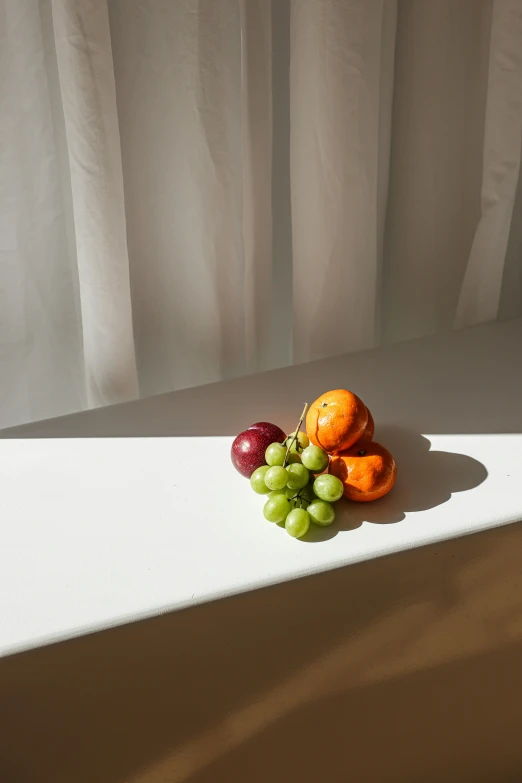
{"x": 297, "y": 522}
{"x": 275, "y": 454}
{"x": 275, "y": 492}
{"x": 297, "y": 476}
{"x": 304, "y": 440}
{"x": 301, "y": 442}
{"x": 315, "y": 459}
{"x": 327, "y": 487}
{"x": 277, "y": 508}
{"x": 290, "y": 492}
{"x": 257, "y": 480}
{"x": 276, "y": 477}
{"x": 295, "y": 445}
{"x": 289, "y": 495}
{"x": 321, "y": 512}
{"x": 293, "y": 457}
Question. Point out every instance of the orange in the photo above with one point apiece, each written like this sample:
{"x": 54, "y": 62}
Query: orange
{"x": 336, "y": 420}
{"x": 367, "y": 470}
{"x": 370, "y": 429}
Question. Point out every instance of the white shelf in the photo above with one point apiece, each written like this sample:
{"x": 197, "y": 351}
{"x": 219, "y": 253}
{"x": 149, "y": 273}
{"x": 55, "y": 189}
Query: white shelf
{"x": 99, "y": 531}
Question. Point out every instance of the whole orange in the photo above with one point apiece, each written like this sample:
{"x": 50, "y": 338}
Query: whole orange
{"x": 336, "y": 420}
{"x": 367, "y": 470}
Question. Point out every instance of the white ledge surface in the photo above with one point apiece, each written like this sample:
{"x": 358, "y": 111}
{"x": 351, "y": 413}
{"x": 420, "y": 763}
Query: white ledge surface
{"x": 99, "y": 531}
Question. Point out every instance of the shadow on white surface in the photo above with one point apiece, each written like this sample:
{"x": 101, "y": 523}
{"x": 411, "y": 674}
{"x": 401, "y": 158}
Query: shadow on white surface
{"x": 425, "y": 480}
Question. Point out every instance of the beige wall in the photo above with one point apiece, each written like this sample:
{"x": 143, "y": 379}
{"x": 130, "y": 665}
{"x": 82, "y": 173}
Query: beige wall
{"x": 407, "y": 668}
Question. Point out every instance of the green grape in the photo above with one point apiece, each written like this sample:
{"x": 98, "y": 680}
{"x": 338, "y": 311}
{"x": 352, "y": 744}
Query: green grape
{"x": 297, "y": 522}
{"x": 301, "y": 442}
{"x": 299, "y": 496}
{"x": 304, "y": 440}
{"x": 315, "y": 459}
{"x": 297, "y": 476}
{"x": 327, "y": 487}
{"x": 293, "y": 457}
{"x": 290, "y": 497}
{"x": 275, "y": 454}
{"x": 321, "y": 512}
{"x": 307, "y": 493}
{"x": 293, "y": 447}
{"x": 277, "y": 508}
{"x": 257, "y": 480}
{"x": 276, "y": 477}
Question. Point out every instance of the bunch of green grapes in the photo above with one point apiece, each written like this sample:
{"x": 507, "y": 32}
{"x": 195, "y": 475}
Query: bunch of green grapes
{"x": 296, "y": 496}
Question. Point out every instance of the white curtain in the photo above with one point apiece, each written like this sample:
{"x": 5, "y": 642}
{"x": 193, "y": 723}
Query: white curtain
{"x": 196, "y": 189}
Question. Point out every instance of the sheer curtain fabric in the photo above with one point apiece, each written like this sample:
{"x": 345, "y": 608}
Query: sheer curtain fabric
{"x": 196, "y": 189}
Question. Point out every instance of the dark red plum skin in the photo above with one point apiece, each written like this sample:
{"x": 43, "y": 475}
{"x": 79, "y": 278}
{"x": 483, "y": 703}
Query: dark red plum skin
{"x": 276, "y": 433}
{"x": 248, "y": 449}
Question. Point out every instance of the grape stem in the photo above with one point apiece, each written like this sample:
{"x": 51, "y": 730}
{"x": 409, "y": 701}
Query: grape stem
{"x": 289, "y": 446}
{"x": 298, "y": 498}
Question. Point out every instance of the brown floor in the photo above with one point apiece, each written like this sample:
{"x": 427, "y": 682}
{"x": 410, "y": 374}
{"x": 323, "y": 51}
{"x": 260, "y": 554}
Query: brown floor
{"x": 407, "y": 668}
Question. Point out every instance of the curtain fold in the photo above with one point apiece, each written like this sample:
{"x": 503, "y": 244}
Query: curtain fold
{"x": 197, "y": 189}
{"x": 86, "y": 79}
{"x": 178, "y": 77}
{"x": 257, "y": 140}
{"x": 480, "y": 295}
{"x": 340, "y": 53}
{"x": 41, "y": 352}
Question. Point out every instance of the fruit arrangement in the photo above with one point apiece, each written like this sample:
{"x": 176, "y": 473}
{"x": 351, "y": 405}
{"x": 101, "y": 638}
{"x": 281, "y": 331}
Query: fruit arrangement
{"x": 305, "y": 473}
